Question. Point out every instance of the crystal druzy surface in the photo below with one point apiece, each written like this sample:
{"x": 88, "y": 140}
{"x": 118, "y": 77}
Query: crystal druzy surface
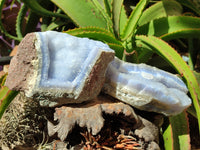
{"x": 146, "y": 87}
{"x": 58, "y": 68}
{"x": 67, "y": 59}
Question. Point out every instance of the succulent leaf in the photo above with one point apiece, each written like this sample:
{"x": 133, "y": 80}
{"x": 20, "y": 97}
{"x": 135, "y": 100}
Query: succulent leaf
{"x": 105, "y": 15}
{"x": 168, "y": 137}
{"x": 183, "y": 33}
{"x": 119, "y": 49}
{"x": 133, "y": 19}
{"x": 32, "y": 22}
{"x": 6, "y": 97}
{"x": 190, "y": 5}
{"x": 3, "y": 30}
{"x": 37, "y": 8}
{"x": 116, "y": 14}
{"x": 55, "y": 24}
{"x": 163, "y": 8}
{"x": 176, "y": 135}
{"x": 173, "y": 24}
{"x": 180, "y": 128}
{"x": 87, "y": 14}
{"x": 20, "y": 19}
{"x": 94, "y": 33}
{"x": 122, "y": 21}
{"x": 171, "y": 56}
{"x": 108, "y": 6}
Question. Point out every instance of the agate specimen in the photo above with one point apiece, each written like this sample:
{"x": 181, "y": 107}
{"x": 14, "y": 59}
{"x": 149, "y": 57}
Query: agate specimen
{"x": 59, "y": 68}
{"x": 145, "y": 87}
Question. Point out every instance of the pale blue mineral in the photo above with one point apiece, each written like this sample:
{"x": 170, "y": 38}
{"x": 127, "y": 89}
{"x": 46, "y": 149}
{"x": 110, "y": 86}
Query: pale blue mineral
{"x": 58, "y": 68}
{"x": 146, "y": 87}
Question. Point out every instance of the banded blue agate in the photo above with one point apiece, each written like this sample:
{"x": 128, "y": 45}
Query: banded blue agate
{"x": 145, "y": 87}
{"x": 67, "y": 59}
{"x": 59, "y": 68}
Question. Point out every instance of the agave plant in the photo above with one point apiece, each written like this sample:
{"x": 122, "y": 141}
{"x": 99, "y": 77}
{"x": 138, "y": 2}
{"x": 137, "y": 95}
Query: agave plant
{"x": 134, "y": 37}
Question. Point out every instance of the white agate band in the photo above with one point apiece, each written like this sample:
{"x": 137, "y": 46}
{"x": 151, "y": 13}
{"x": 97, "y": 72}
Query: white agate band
{"x": 145, "y": 87}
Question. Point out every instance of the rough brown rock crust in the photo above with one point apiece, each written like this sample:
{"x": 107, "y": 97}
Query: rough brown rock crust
{"x": 21, "y": 69}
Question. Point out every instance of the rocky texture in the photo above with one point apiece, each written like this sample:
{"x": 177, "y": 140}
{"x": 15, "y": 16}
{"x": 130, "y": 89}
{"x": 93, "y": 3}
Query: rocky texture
{"x": 147, "y": 131}
{"x": 89, "y": 116}
{"x": 57, "y": 68}
{"x": 104, "y": 122}
{"x": 21, "y": 68}
{"x": 23, "y": 124}
{"x": 146, "y": 87}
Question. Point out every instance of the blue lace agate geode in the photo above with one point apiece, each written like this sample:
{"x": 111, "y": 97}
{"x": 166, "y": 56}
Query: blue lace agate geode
{"x": 58, "y": 68}
{"x": 145, "y": 87}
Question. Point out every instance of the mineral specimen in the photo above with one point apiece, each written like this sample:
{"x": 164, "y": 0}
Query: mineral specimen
{"x": 58, "y": 68}
{"x": 145, "y": 87}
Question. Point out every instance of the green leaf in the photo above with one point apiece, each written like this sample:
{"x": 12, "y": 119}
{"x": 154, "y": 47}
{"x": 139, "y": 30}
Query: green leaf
{"x": 161, "y": 9}
{"x": 34, "y": 18}
{"x": 32, "y": 22}
{"x": 6, "y": 97}
{"x": 105, "y": 15}
{"x": 122, "y": 21}
{"x": 176, "y": 135}
{"x": 184, "y": 33}
{"x": 172, "y": 27}
{"x": 168, "y": 138}
{"x": 192, "y": 53}
{"x": 180, "y": 128}
{"x": 171, "y": 56}
{"x": 2, "y": 80}
{"x": 37, "y": 8}
{"x": 3, "y": 30}
{"x": 144, "y": 52}
{"x": 108, "y": 6}
{"x": 189, "y": 4}
{"x": 144, "y": 55}
{"x": 131, "y": 24}
{"x": 94, "y": 33}
{"x": 99, "y": 34}
{"x": 116, "y": 13}
{"x": 55, "y": 24}
{"x": 19, "y": 21}
{"x": 119, "y": 49}
{"x": 83, "y": 13}
{"x": 197, "y": 75}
